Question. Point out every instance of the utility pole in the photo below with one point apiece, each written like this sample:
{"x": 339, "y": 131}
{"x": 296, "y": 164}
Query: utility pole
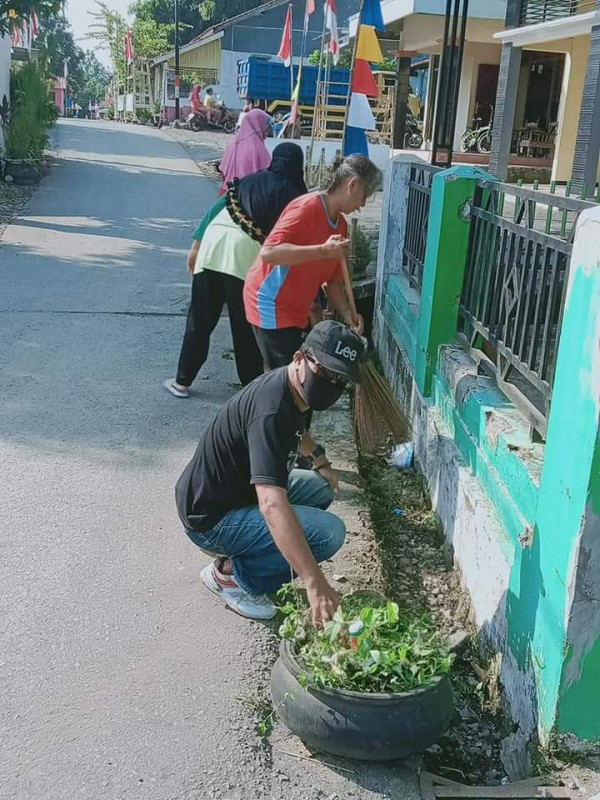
{"x": 177, "y": 76}
{"x": 66, "y": 80}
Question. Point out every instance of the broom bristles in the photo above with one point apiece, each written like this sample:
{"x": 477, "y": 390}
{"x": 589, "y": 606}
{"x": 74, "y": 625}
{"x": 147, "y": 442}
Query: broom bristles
{"x": 378, "y": 420}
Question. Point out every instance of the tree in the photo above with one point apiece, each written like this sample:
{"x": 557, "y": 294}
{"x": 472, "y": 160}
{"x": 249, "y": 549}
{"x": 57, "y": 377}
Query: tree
{"x": 151, "y": 38}
{"x": 56, "y": 44}
{"x": 96, "y": 81}
{"x": 345, "y": 60}
{"x": 194, "y": 16}
{"x": 109, "y": 29}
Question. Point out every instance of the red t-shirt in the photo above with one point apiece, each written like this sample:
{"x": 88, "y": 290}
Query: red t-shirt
{"x": 279, "y": 296}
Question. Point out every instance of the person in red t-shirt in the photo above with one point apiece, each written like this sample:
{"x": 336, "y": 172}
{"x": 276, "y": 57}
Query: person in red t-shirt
{"x": 301, "y": 254}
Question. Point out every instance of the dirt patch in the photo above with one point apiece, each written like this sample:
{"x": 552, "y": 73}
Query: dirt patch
{"x": 417, "y": 567}
{"x": 13, "y": 201}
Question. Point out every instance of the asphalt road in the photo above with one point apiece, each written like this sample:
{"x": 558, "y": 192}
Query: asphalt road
{"x": 119, "y": 673}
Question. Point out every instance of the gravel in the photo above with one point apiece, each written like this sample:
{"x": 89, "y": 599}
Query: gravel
{"x": 13, "y": 201}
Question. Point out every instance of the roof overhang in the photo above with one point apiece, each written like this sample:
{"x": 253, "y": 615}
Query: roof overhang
{"x": 551, "y": 31}
{"x": 187, "y": 48}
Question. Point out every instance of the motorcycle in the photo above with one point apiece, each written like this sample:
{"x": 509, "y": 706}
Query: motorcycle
{"x": 226, "y": 121}
{"x": 413, "y": 137}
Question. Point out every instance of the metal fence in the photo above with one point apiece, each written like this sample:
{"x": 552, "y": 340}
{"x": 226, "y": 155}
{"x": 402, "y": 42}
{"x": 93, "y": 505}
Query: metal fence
{"x": 417, "y": 221}
{"x": 536, "y": 11}
{"x": 514, "y": 288}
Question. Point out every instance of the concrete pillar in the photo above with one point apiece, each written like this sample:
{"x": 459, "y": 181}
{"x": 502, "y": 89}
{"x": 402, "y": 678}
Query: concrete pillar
{"x": 393, "y": 223}
{"x": 445, "y": 260}
{"x": 504, "y": 112}
{"x": 569, "y": 108}
{"x": 554, "y": 597}
{"x": 587, "y": 147}
{"x": 463, "y": 110}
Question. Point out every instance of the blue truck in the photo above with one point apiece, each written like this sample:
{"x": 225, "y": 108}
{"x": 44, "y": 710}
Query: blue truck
{"x": 267, "y": 81}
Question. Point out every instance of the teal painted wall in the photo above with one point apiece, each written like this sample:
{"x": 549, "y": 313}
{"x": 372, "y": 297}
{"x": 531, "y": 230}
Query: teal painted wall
{"x": 569, "y": 500}
{"x": 401, "y": 314}
{"x": 551, "y": 523}
{"x": 504, "y": 477}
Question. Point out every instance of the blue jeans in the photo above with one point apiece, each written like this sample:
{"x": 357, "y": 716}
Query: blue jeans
{"x": 243, "y": 535}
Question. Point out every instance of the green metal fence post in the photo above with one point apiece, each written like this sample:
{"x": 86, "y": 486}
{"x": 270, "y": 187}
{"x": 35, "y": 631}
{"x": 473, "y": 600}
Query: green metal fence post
{"x": 445, "y": 259}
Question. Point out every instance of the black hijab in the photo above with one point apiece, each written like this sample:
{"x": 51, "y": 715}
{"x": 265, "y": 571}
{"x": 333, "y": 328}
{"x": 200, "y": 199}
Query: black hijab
{"x": 264, "y": 194}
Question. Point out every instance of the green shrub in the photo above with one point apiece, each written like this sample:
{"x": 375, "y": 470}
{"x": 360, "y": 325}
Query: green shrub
{"x": 32, "y": 112}
{"x": 143, "y": 115}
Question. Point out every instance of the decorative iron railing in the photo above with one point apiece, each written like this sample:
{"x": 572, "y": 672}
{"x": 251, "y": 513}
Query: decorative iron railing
{"x": 514, "y": 288}
{"x": 417, "y": 221}
{"x": 535, "y": 11}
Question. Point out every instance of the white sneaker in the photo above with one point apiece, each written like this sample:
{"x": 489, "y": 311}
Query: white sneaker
{"x": 176, "y": 389}
{"x": 244, "y": 604}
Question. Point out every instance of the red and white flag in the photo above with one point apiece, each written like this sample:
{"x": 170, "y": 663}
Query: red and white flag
{"x": 34, "y": 25}
{"x": 285, "y": 48}
{"x": 310, "y": 6}
{"x": 16, "y": 37}
{"x": 128, "y": 47}
{"x": 331, "y": 25}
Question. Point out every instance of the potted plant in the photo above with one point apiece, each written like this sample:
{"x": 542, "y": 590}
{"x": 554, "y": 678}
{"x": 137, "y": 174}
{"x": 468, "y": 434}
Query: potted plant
{"x": 372, "y": 684}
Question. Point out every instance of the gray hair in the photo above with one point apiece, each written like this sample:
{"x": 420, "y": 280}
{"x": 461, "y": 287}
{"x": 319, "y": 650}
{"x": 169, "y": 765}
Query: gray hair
{"x": 359, "y": 167}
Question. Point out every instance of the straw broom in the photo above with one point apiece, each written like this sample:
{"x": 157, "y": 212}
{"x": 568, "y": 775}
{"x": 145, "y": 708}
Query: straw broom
{"x": 378, "y": 420}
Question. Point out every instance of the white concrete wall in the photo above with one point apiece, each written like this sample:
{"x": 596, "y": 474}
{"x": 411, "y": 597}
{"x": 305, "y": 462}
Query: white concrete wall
{"x": 379, "y": 153}
{"x": 4, "y": 72}
{"x": 425, "y": 33}
{"x": 227, "y": 86}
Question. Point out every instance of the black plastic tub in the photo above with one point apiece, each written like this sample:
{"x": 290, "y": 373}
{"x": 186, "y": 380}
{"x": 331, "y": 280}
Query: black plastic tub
{"x": 370, "y": 727}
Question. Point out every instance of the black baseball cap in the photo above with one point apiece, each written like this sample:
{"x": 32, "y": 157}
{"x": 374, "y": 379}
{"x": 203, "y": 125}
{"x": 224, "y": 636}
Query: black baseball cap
{"x": 336, "y": 348}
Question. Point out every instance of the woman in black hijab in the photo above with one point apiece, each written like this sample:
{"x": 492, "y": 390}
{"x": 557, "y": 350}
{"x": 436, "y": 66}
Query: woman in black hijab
{"x": 227, "y": 241}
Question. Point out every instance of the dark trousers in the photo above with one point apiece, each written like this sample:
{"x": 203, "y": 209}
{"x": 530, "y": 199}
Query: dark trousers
{"x": 210, "y": 291}
{"x": 278, "y": 346}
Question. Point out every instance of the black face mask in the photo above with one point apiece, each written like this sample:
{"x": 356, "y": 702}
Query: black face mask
{"x": 318, "y": 392}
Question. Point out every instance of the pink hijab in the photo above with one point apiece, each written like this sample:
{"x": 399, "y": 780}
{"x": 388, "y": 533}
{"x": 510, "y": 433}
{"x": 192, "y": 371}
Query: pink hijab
{"x": 248, "y": 152}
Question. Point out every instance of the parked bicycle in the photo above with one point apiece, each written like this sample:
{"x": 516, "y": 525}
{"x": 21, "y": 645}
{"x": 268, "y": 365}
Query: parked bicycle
{"x": 478, "y": 137}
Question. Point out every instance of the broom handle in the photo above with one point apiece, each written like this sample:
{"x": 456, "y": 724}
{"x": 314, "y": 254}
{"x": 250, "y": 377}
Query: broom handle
{"x": 349, "y": 290}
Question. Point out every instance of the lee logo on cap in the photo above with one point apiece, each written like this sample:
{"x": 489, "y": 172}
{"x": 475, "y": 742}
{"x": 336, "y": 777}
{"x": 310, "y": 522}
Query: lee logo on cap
{"x": 345, "y": 351}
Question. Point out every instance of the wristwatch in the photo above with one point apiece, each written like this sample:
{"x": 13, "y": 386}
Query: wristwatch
{"x": 317, "y": 453}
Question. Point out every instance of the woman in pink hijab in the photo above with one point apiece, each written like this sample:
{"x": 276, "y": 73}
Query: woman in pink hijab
{"x": 248, "y": 152}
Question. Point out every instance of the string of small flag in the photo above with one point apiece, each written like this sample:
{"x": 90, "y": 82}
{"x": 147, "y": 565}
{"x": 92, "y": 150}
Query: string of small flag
{"x": 368, "y": 51}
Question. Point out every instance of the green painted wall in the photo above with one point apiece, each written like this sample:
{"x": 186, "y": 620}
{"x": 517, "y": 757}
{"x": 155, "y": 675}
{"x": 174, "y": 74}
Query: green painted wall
{"x": 445, "y": 260}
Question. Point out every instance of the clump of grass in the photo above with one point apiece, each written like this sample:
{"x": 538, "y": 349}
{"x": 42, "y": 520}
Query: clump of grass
{"x": 368, "y": 646}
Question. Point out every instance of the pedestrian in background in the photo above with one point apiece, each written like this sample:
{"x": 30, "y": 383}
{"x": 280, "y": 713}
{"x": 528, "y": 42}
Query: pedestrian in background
{"x": 226, "y": 243}
{"x": 248, "y": 152}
